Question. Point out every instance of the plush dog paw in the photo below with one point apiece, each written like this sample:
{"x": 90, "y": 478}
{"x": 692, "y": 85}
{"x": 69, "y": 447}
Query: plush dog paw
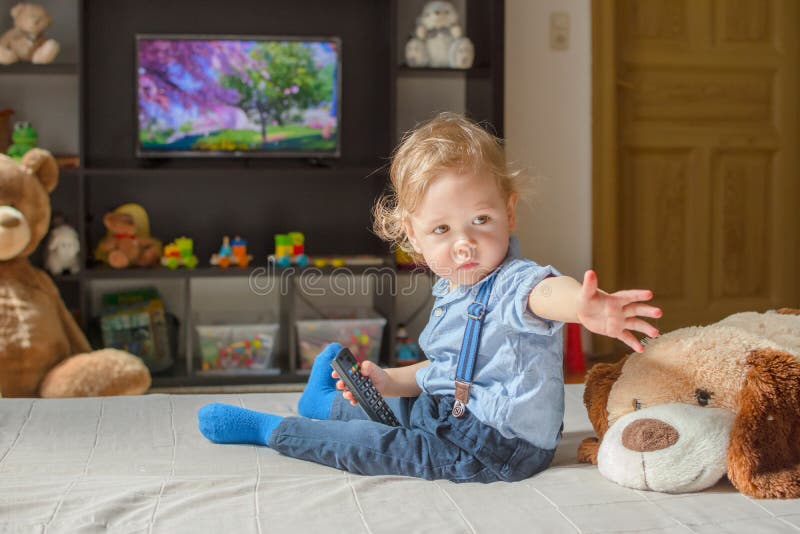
{"x": 587, "y": 451}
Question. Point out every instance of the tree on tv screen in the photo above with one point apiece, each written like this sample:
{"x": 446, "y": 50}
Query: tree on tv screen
{"x": 190, "y": 86}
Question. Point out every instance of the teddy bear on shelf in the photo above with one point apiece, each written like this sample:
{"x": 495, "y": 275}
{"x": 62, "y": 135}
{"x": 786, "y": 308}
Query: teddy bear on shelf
{"x": 126, "y": 245}
{"x": 42, "y": 349}
{"x": 24, "y": 42}
{"x": 438, "y": 40}
{"x": 700, "y": 403}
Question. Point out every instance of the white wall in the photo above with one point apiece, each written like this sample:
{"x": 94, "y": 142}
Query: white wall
{"x": 548, "y": 130}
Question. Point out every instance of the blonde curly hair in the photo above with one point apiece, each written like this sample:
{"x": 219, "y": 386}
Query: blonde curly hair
{"x": 448, "y": 142}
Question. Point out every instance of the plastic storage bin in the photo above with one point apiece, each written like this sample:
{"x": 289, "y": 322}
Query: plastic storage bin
{"x": 236, "y": 347}
{"x": 360, "y": 330}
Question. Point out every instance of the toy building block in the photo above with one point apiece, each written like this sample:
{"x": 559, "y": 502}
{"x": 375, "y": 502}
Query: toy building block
{"x": 232, "y": 252}
{"x": 289, "y": 250}
{"x": 179, "y": 253}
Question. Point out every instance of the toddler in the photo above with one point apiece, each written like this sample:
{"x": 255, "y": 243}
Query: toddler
{"x": 488, "y": 403}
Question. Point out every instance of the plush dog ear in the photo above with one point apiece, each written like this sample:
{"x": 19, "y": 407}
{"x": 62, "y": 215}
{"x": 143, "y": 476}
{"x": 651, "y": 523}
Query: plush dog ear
{"x": 599, "y": 380}
{"x": 764, "y": 450}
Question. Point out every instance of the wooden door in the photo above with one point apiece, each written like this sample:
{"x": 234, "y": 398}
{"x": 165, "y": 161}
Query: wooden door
{"x": 695, "y": 154}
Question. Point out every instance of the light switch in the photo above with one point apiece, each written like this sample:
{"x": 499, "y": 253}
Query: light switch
{"x": 559, "y": 30}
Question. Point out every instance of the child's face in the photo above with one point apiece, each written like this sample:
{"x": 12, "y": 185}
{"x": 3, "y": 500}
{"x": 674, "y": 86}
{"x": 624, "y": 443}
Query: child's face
{"x": 461, "y": 227}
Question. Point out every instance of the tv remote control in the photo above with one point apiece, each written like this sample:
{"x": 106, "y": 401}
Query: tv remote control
{"x": 364, "y": 392}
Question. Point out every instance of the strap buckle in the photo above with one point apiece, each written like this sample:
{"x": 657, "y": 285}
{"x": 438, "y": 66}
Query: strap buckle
{"x": 462, "y": 397}
{"x": 476, "y": 310}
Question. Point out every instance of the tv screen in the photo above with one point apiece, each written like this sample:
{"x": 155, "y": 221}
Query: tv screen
{"x": 237, "y": 96}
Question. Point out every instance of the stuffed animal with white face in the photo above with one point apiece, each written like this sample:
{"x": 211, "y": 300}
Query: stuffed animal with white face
{"x": 62, "y": 251}
{"x": 700, "y": 403}
{"x": 438, "y": 40}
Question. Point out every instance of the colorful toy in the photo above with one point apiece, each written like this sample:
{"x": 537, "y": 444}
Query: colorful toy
{"x": 251, "y": 353}
{"x": 406, "y": 352}
{"x": 289, "y": 250}
{"x": 326, "y": 261}
{"x": 179, "y": 253}
{"x": 232, "y": 253}
{"x": 23, "y": 138}
{"x": 362, "y": 260}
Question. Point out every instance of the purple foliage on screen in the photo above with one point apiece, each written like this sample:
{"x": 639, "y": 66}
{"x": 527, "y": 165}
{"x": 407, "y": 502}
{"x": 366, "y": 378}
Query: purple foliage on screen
{"x": 156, "y": 83}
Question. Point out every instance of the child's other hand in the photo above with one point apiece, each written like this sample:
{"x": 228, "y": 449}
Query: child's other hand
{"x": 370, "y": 369}
{"x": 616, "y": 314}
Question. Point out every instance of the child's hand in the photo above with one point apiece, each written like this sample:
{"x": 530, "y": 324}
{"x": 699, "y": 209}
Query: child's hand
{"x": 378, "y": 376}
{"x": 616, "y": 314}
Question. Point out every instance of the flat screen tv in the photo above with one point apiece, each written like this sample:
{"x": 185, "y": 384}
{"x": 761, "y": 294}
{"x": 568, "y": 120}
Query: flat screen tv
{"x": 238, "y": 96}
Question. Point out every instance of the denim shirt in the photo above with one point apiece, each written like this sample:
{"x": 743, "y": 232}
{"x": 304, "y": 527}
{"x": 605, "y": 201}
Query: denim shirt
{"x": 518, "y": 384}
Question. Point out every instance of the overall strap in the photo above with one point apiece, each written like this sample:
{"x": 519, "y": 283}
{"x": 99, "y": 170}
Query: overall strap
{"x": 469, "y": 346}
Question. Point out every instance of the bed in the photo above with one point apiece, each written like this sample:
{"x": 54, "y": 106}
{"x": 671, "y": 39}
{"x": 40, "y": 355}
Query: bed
{"x": 139, "y": 464}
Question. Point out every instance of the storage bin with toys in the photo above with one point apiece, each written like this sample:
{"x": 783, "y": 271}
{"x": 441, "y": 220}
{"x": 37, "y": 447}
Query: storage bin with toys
{"x": 236, "y": 345}
{"x": 359, "y": 329}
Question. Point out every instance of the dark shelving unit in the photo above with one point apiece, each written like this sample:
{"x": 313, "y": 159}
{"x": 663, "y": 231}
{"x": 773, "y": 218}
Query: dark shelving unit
{"x": 203, "y": 198}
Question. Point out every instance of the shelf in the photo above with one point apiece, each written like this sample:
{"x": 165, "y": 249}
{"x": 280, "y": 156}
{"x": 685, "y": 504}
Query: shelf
{"x": 104, "y": 273}
{"x": 50, "y": 68}
{"x": 358, "y": 172}
{"x": 421, "y": 72}
{"x": 177, "y": 376}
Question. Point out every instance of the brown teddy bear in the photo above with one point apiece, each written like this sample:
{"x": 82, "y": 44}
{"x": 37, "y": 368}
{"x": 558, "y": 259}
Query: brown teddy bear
{"x": 125, "y": 245}
{"x": 700, "y": 403}
{"x": 24, "y": 41}
{"x": 42, "y": 349}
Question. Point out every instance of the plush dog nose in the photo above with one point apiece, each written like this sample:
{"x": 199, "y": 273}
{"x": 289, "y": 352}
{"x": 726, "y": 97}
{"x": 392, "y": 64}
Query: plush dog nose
{"x": 645, "y": 435}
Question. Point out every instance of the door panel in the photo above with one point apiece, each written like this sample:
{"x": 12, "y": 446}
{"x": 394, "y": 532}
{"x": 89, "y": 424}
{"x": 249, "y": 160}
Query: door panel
{"x": 703, "y": 177}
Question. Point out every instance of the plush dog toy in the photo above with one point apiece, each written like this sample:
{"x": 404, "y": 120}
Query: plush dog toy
{"x": 700, "y": 403}
{"x": 25, "y": 41}
{"x": 42, "y": 349}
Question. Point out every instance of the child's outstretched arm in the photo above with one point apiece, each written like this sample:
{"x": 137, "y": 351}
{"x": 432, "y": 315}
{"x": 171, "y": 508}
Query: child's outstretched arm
{"x": 562, "y": 298}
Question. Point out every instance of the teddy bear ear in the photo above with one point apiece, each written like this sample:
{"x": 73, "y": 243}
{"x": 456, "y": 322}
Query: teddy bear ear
{"x": 44, "y": 165}
{"x": 16, "y": 10}
{"x": 764, "y": 450}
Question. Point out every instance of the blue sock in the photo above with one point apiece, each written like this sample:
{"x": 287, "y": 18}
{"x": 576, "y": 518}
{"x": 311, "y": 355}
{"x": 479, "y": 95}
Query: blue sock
{"x": 320, "y": 391}
{"x": 224, "y": 423}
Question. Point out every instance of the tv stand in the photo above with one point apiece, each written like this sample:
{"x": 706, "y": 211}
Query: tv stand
{"x": 319, "y": 162}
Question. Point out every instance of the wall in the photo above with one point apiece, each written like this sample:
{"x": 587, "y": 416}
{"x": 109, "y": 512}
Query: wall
{"x": 548, "y": 130}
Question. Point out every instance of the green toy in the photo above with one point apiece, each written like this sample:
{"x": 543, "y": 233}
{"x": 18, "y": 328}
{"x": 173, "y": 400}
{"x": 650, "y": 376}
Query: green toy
{"x": 23, "y": 138}
{"x": 179, "y": 253}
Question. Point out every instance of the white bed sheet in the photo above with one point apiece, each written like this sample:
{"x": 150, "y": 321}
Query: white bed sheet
{"x": 139, "y": 464}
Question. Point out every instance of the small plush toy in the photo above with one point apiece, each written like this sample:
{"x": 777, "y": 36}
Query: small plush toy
{"x": 62, "y": 250}
{"x": 24, "y": 42}
{"x": 23, "y": 138}
{"x": 700, "y": 403}
{"x": 127, "y": 242}
{"x": 42, "y": 349}
{"x": 438, "y": 40}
